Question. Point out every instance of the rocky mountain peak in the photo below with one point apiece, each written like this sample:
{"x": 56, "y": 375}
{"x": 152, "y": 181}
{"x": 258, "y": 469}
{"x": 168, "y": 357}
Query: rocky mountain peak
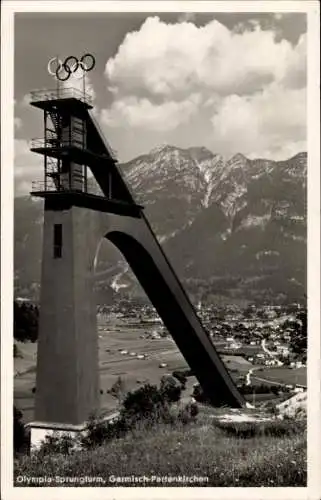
{"x": 162, "y": 148}
{"x": 200, "y": 153}
{"x": 234, "y": 227}
{"x": 302, "y": 156}
{"x": 238, "y": 159}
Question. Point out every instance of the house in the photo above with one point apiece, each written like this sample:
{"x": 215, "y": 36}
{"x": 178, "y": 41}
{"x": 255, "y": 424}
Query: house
{"x": 270, "y": 362}
{"x": 282, "y": 349}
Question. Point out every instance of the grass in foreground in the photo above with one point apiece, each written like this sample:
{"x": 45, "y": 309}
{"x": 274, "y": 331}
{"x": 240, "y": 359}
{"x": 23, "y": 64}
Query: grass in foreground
{"x": 228, "y": 455}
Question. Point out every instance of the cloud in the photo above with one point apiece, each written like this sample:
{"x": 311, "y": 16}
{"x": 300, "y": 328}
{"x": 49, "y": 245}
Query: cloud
{"x": 296, "y": 73}
{"x": 28, "y": 167}
{"x": 163, "y": 60}
{"x": 241, "y": 90}
{"x": 231, "y": 90}
{"x": 17, "y": 119}
{"x": 25, "y": 101}
{"x": 134, "y": 112}
{"x": 268, "y": 123}
{"x": 17, "y": 123}
{"x": 21, "y": 149}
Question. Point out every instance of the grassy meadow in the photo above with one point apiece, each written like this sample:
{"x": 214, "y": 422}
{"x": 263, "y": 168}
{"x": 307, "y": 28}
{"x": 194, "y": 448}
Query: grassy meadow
{"x": 225, "y": 454}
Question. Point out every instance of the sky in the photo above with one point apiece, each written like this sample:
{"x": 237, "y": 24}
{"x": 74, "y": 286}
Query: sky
{"x": 232, "y": 82}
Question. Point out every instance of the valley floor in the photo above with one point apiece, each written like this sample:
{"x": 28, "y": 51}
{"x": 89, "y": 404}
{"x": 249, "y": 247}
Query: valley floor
{"x": 120, "y": 345}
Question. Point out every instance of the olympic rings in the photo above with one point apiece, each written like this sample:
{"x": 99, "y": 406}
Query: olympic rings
{"x": 70, "y": 66}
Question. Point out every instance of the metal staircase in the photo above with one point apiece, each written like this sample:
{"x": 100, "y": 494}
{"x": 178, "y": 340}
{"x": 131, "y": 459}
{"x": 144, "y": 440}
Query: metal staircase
{"x": 56, "y": 119}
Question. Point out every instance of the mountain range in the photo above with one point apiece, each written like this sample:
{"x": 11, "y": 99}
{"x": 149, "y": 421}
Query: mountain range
{"x": 233, "y": 229}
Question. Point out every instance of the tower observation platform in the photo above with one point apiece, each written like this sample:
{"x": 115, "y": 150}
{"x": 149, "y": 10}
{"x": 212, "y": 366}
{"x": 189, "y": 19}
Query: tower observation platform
{"x": 73, "y": 155}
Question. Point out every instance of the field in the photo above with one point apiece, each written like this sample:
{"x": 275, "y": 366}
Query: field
{"x": 282, "y": 375}
{"x": 115, "y": 337}
{"x": 112, "y": 340}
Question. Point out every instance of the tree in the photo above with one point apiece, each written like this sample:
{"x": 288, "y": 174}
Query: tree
{"x": 26, "y": 319}
{"x": 118, "y": 389}
{"x": 170, "y": 389}
{"x": 181, "y": 377}
{"x": 20, "y": 436}
{"x": 144, "y": 403}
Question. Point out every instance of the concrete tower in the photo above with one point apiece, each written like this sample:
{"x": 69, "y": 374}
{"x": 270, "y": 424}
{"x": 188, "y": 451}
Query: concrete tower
{"x": 67, "y": 387}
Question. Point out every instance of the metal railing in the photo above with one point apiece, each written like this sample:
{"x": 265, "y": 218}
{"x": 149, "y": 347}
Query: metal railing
{"x": 61, "y": 93}
{"x": 49, "y": 186}
{"x": 43, "y": 186}
{"x": 54, "y": 143}
{"x": 46, "y": 143}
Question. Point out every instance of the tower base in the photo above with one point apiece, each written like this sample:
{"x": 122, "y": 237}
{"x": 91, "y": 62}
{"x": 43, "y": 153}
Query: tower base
{"x": 40, "y": 430}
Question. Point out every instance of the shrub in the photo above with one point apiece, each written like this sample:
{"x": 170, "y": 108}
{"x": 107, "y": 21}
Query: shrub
{"x": 272, "y": 408}
{"x": 199, "y": 395}
{"x": 118, "y": 389}
{"x": 26, "y": 318}
{"x": 20, "y": 434}
{"x": 181, "y": 377}
{"x": 260, "y": 389}
{"x": 275, "y": 389}
{"x": 298, "y": 340}
{"x": 146, "y": 403}
{"x": 170, "y": 389}
{"x": 54, "y": 443}
{"x": 99, "y": 431}
{"x": 145, "y": 407}
{"x": 188, "y": 414}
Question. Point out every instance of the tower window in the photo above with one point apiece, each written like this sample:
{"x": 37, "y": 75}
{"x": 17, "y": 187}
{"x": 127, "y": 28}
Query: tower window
{"x": 57, "y": 241}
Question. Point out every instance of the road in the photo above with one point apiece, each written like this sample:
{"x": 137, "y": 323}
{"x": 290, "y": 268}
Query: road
{"x": 270, "y": 353}
{"x": 248, "y": 376}
{"x": 268, "y": 380}
{"x": 251, "y": 371}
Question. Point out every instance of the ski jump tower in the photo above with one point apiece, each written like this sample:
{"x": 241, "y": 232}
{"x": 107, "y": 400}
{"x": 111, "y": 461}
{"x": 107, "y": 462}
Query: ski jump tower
{"x": 67, "y": 377}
